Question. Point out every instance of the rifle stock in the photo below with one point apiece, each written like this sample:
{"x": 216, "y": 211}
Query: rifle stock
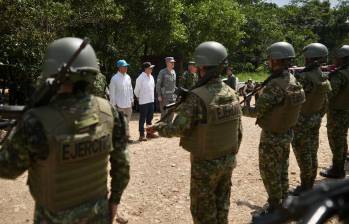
{"x": 338, "y": 69}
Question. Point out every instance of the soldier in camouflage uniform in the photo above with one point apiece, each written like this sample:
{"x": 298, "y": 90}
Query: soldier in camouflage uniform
{"x": 305, "y": 143}
{"x": 189, "y": 78}
{"x": 65, "y": 146}
{"x": 208, "y": 123}
{"x": 277, "y": 110}
{"x": 99, "y": 86}
{"x": 338, "y": 114}
{"x": 166, "y": 86}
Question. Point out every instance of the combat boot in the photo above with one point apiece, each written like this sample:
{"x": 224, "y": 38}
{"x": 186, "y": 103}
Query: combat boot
{"x": 333, "y": 172}
{"x": 259, "y": 216}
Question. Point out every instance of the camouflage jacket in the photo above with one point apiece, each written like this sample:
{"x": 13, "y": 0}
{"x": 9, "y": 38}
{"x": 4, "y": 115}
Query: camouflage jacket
{"x": 99, "y": 86}
{"x": 187, "y": 80}
{"x": 338, "y": 81}
{"x": 28, "y": 143}
{"x": 166, "y": 85}
{"x": 190, "y": 113}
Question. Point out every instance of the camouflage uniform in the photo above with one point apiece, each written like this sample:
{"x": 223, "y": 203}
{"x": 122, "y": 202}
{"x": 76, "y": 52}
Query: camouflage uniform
{"x": 165, "y": 87}
{"x": 188, "y": 80}
{"x": 274, "y": 148}
{"x": 305, "y": 143}
{"x": 338, "y": 121}
{"x": 99, "y": 86}
{"x": 210, "y": 179}
{"x": 29, "y": 144}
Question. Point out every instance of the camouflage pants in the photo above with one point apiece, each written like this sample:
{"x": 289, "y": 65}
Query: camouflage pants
{"x": 337, "y": 132}
{"x": 210, "y": 190}
{"x": 88, "y": 213}
{"x": 274, "y": 150}
{"x": 305, "y": 145}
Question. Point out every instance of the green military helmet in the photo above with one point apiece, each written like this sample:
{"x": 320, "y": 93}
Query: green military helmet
{"x": 84, "y": 68}
{"x": 210, "y": 53}
{"x": 343, "y": 52}
{"x": 315, "y": 50}
{"x": 281, "y": 50}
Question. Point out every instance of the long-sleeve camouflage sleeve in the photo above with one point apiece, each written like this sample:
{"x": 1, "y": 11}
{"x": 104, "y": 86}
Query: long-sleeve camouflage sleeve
{"x": 306, "y": 83}
{"x": 119, "y": 159}
{"x": 26, "y": 144}
{"x": 271, "y": 95}
{"x": 189, "y": 113}
{"x": 159, "y": 81}
{"x": 99, "y": 85}
{"x": 337, "y": 82}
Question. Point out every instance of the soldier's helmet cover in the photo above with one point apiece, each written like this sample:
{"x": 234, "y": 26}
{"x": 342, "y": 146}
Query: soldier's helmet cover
{"x": 281, "y": 50}
{"x": 343, "y": 52}
{"x": 315, "y": 50}
{"x": 210, "y": 53}
{"x": 84, "y": 68}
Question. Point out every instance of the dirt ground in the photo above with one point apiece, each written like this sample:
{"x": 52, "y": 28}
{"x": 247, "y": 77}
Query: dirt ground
{"x": 158, "y": 191}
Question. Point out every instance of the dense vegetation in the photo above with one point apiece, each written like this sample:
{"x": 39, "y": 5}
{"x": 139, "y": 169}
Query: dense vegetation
{"x": 133, "y": 29}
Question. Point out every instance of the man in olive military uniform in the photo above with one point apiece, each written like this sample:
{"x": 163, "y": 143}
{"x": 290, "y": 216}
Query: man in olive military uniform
{"x": 277, "y": 110}
{"x": 305, "y": 143}
{"x": 189, "y": 78}
{"x": 166, "y": 86}
{"x": 65, "y": 146}
{"x": 208, "y": 123}
{"x": 338, "y": 114}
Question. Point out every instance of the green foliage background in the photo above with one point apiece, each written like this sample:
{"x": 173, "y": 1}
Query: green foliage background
{"x": 133, "y": 29}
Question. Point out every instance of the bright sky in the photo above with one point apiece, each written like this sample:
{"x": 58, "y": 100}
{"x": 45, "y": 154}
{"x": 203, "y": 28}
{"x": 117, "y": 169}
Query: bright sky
{"x": 284, "y": 2}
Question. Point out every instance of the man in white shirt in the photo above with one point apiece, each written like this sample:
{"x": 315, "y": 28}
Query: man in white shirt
{"x": 144, "y": 92}
{"x": 121, "y": 92}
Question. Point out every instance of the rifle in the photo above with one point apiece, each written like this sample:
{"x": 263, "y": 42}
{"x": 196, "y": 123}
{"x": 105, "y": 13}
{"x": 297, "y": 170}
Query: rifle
{"x": 322, "y": 203}
{"x": 41, "y": 96}
{"x": 344, "y": 66}
{"x": 257, "y": 89}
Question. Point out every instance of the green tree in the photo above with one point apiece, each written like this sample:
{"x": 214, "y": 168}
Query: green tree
{"x": 218, "y": 20}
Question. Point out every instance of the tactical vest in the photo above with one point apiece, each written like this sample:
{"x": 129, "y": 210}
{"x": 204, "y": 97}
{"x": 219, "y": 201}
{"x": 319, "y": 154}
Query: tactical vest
{"x": 285, "y": 115}
{"x": 316, "y": 98}
{"x": 76, "y": 168}
{"x": 218, "y": 135}
{"x": 341, "y": 101}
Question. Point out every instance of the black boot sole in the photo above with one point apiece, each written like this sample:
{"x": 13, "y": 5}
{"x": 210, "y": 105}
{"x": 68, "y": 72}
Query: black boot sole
{"x": 332, "y": 176}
